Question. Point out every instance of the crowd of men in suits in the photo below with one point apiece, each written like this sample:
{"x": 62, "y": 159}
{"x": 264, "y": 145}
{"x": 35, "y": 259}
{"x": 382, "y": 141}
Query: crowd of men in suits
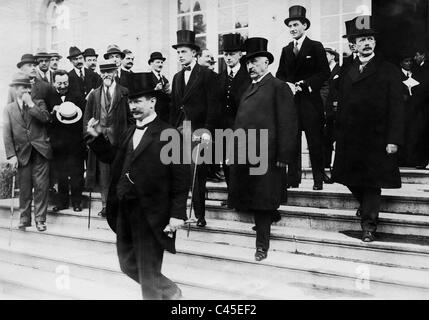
{"x": 106, "y": 126}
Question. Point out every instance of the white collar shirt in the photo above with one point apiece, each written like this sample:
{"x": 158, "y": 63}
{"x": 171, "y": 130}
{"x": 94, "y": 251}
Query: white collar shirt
{"x": 138, "y": 134}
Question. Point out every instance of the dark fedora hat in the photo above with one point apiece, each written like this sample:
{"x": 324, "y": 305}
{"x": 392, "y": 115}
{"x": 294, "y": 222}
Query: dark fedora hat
{"x": 90, "y": 52}
{"x": 186, "y": 38}
{"x": 257, "y": 47}
{"x": 156, "y": 56}
{"x": 26, "y": 58}
{"x": 55, "y": 54}
{"x": 107, "y": 65}
{"x": 41, "y": 55}
{"x": 141, "y": 84}
{"x": 359, "y": 27}
{"x": 333, "y": 52}
{"x": 232, "y": 42}
{"x": 112, "y": 49}
{"x": 298, "y": 13}
{"x": 74, "y": 52}
{"x": 20, "y": 78}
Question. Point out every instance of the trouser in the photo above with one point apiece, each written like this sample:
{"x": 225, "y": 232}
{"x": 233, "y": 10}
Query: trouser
{"x": 369, "y": 200}
{"x": 73, "y": 168}
{"x": 104, "y": 180}
{"x": 263, "y": 220}
{"x": 34, "y": 175}
{"x": 311, "y": 122}
{"x": 199, "y": 192}
{"x": 328, "y": 141}
{"x": 140, "y": 254}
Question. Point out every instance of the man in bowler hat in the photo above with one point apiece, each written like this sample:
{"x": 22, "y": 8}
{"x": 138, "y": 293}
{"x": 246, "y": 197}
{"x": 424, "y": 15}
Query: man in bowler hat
{"x": 303, "y": 65}
{"x": 115, "y": 54}
{"x": 195, "y": 99}
{"x": 90, "y": 59}
{"x": 370, "y": 126}
{"x": 156, "y": 64}
{"x": 267, "y": 104}
{"x": 147, "y": 199}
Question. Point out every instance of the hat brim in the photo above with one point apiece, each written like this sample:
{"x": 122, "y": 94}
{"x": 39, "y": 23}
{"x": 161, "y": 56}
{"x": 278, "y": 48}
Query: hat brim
{"x": 333, "y": 52}
{"x": 302, "y": 19}
{"x": 189, "y": 45}
{"x": 142, "y": 93}
{"x": 74, "y": 56}
{"x": 57, "y": 56}
{"x": 106, "y": 55}
{"x": 43, "y": 56}
{"x": 21, "y": 63}
{"x": 259, "y": 54}
{"x": 361, "y": 34}
{"x": 79, "y": 116}
{"x": 90, "y": 55}
{"x": 19, "y": 83}
{"x": 151, "y": 60}
{"x": 108, "y": 69}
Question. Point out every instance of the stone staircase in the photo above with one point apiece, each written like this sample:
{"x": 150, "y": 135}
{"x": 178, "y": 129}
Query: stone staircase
{"x": 316, "y": 252}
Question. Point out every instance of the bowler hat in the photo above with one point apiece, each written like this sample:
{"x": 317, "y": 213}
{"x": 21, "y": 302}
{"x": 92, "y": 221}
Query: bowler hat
{"x": 20, "y": 78}
{"x": 69, "y": 113}
{"x": 359, "y": 27}
{"x": 112, "y": 49}
{"x": 107, "y": 65}
{"x": 156, "y": 56}
{"x": 257, "y": 47}
{"x": 298, "y": 13}
{"x": 74, "y": 52}
{"x": 55, "y": 54}
{"x": 141, "y": 84}
{"x": 333, "y": 52}
{"x": 26, "y": 58}
{"x": 127, "y": 51}
{"x": 40, "y": 55}
{"x": 186, "y": 38}
{"x": 231, "y": 42}
{"x": 90, "y": 52}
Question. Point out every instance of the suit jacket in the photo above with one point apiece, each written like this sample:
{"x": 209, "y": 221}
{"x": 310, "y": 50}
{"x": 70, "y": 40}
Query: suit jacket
{"x": 124, "y": 79}
{"x": 78, "y": 87}
{"x": 162, "y": 189}
{"x": 229, "y": 106}
{"x": 50, "y": 80}
{"x": 22, "y": 134}
{"x": 120, "y": 115}
{"x": 280, "y": 118}
{"x": 370, "y": 116}
{"x": 329, "y": 91}
{"x": 198, "y": 101}
{"x": 163, "y": 103}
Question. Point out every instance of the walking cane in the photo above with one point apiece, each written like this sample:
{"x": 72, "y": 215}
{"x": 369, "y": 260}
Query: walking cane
{"x": 89, "y": 210}
{"x": 12, "y": 209}
{"x": 192, "y": 218}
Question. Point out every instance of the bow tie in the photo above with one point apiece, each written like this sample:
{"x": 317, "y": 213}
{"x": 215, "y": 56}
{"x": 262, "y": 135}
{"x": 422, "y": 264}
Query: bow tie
{"x": 188, "y": 68}
{"x": 143, "y": 127}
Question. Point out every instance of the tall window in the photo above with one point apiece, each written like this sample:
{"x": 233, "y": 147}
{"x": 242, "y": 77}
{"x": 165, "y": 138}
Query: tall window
{"x": 58, "y": 18}
{"x": 192, "y": 15}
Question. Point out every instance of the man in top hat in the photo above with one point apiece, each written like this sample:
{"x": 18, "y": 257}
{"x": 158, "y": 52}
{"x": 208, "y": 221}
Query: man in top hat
{"x": 81, "y": 80}
{"x": 147, "y": 199}
{"x": 55, "y": 59}
{"x": 116, "y": 55}
{"x": 28, "y": 150}
{"x": 267, "y": 104}
{"x": 128, "y": 61}
{"x": 370, "y": 127}
{"x": 304, "y": 67}
{"x": 233, "y": 82}
{"x": 347, "y": 61}
{"x": 156, "y": 64}
{"x": 329, "y": 93}
{"x": 66, "y": 137}
{"x": 91, "y": 58}
{"x": 195, "y": 99}
{"x": 43, "y": 60}
{"x": 108, "y": 104}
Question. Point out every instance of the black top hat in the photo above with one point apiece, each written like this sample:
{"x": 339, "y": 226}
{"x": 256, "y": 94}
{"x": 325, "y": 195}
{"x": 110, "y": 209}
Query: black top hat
{"x": 20, "y": 78}
{"x": 156, "y": 56}
{"x": 298, "y": 13}
{"x": 74, "y": 52}
{"x": 359, "y": 27}
{"x": 113, "y": 49}
{"x": 107, "y": 66}
{"x": 231, "y": 42}
{"x": 42, "y": 55}
{"x": 257, "y": 47}
{"x": 186, "y": 38}
{"x": 26, "y": 58}
{"x": 90, "y": 52}
{"x": 141, "y": 84}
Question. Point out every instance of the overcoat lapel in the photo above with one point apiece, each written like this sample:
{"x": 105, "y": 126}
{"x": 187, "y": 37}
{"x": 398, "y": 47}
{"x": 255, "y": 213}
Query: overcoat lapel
{"x": 147, "y": 139}
{"x": 251, "y": 91}
{"x": 193, "y": 79}
{"x": 302, "y": 55}
{"x": 17, "y": 115}
{"x": 116, "y": 98}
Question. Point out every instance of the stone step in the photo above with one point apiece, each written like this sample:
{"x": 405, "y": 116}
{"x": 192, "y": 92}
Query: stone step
{"x": 218, "y": 266}
{"x": 411, "y": 199}
{"x": 329, "y": 219}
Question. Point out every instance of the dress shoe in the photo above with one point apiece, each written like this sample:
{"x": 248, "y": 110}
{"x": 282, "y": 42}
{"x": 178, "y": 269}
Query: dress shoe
{"x": 276, "y": 216}
{"x": 226, "y": 204}
{"x": 359, "y": 212}
{"x": 23, "y": 225}
{"x": 41, "y": 226}
{"x": 368, "y": 236}
{"x": 326, "y": 179}
{"x": 175, "y": 296}
{"x": 77, "y": 208}
{"x": 102, "y": 213}
{"x": 201, "y": 222}
{"x": 59, "y": 208}
{"x": 261, "y": 254}
{"x": 318, "y": 186}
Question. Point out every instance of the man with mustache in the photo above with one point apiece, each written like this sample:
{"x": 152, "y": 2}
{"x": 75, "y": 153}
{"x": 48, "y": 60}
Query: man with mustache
{"x": 90, "y": 59}
{"x": 55, "y": 59}
{"x": 304, "y": 67}
{"x": 107, "y": 104}
{"x": 128, "y": 61}
{"x": 370, "y": 126}
{"x": 81, "y": 80}
{"x": 117, "y": 56}
{"x": 43, "y": 72}
{"x": 156, "y": 64}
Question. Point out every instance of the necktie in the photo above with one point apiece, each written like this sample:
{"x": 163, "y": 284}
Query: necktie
{"x": 295, "y": 48}
{"x": 45, "y": 78}
{"x": 108, "y": 98}
{"x": 81, "y": 75}
{"x": 143, "y": 127}
{"x": 161, "y": 80}
{"x": 188, "y": 68}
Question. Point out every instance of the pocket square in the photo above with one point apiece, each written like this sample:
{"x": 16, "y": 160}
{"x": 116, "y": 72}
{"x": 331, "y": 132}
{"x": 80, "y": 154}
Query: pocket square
{"x": 308, "y": 57}
{"x": 336, "y": 76}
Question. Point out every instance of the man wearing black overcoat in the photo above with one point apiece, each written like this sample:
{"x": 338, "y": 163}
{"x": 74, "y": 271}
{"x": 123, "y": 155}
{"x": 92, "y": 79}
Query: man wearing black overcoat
{"x": 303, "y": 65}
{"x": 156, "y": 63}
{"x": 147, "y": 198}
{"x": 370, "y": 127}
{"x": 195, "y": 98}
